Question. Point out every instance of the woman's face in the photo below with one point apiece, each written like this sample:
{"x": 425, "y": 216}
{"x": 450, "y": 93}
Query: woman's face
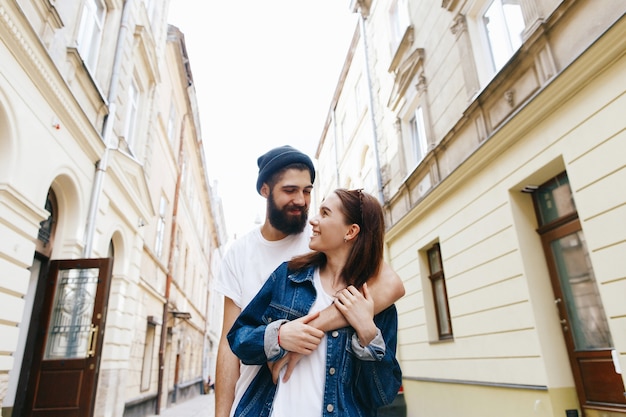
{"x": 329, "y": 226}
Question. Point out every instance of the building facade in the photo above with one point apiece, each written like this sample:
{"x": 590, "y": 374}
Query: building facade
{"x": 498, "y": 136}
{"x": 110, "y": 229}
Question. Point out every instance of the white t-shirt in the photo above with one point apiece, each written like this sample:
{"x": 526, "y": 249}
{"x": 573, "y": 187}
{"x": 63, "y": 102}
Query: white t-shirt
{"x": 246, "y": 265}
{"x": 308, "y": 377}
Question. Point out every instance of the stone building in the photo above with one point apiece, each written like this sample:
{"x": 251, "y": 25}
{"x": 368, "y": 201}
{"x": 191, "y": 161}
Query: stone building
{"x": 494, "y": 133}
{"x": 110, "y": 229}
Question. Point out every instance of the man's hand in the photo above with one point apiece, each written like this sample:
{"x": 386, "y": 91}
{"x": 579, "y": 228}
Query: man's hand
{"x": 290, "y": 359}
{"x": 298, "y": 336}
{"x": 299, "y": 339}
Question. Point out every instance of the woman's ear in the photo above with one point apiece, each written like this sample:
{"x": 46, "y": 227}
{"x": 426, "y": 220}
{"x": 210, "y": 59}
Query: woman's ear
{"x": 353, "y": 231}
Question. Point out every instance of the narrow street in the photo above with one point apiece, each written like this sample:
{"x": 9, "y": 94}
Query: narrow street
{"x": 200, "y": 406}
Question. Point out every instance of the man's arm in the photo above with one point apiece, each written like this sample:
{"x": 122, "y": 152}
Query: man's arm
{"x": 227, "y": 366}
{"x": 386, "y": 288}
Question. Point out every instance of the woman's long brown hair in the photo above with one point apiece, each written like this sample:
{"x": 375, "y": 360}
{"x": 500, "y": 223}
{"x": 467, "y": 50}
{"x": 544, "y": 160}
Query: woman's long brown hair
{"x": 366, "y": 256}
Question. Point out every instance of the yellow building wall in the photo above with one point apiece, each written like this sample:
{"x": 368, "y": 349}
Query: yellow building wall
{"x": 506, "y": 329}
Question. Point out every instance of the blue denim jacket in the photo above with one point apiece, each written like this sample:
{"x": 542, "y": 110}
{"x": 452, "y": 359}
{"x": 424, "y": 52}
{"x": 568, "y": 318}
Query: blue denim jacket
{"x": 360, "y": 386}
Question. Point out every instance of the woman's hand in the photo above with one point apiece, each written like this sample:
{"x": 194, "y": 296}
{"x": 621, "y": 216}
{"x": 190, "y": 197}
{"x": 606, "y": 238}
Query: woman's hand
{"x": 300, "y": 337}
{"x": 358, "y": 308}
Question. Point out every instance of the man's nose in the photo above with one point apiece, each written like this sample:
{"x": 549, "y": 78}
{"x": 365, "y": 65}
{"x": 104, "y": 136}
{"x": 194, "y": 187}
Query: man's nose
{"x": 299, "y": 199}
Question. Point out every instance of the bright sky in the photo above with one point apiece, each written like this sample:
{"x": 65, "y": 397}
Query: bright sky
{"x": 264, "y": 73}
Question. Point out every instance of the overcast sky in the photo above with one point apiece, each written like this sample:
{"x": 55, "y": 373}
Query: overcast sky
{"x": 264, "y": 73}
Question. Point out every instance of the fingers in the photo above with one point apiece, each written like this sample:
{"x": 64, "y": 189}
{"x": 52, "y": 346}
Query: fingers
{"x": 295, "y": 358}
{"x": 309, "y": 317}
{"x": 275, "y": 367}
{"x": 295, "y": 336}
{"x": 366, "y": 291}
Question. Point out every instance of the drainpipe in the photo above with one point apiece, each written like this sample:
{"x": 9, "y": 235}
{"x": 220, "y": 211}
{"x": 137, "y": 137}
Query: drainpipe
{"x": 107, "y": 133}
{"x": 170, "y": 264}
{"x": 370, "y": 91}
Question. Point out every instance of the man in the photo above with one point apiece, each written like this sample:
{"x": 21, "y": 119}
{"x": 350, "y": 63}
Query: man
{"x": 285, "y": 179}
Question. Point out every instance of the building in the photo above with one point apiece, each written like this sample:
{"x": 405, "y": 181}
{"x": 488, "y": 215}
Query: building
{"x": 110, "y": 229}
{"x": 499, "y": 137}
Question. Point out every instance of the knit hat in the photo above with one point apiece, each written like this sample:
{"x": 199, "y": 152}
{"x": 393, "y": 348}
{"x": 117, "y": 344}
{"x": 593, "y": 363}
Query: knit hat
{"x": 276, "y": 159}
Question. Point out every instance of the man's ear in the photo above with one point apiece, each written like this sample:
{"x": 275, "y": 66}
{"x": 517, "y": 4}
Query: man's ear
{"x": 265, "y": 190}
{"x": 353, "y": 231}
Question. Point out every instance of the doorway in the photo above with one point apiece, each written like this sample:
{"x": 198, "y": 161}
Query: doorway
{"x": 584, "y": 324}
{"x": 63, "y": 341}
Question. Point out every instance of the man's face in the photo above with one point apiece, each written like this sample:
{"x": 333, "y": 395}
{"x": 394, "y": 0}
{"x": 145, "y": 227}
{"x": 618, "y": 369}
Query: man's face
{"x": 288, "y": 202}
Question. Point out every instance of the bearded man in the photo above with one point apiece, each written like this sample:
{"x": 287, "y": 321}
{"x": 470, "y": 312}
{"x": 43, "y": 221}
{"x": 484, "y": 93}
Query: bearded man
{"x": 285, "y": 180}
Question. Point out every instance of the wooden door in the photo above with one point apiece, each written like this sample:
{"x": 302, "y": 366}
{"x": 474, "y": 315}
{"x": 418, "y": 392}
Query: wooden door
{"x": 69, "y": 342}
{"x": 585, "y": 327}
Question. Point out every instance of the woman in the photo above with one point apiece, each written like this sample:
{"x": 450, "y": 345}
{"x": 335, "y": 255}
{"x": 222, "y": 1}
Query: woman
{"x": 353, "y": 370}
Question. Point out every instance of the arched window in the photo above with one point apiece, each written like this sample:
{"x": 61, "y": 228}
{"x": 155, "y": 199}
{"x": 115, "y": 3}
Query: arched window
{"x": 47, "y": 228}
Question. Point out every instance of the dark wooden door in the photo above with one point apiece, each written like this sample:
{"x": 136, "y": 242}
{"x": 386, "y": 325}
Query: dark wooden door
{"x": 585, "y": 327}
{"x": 68, "y": 346}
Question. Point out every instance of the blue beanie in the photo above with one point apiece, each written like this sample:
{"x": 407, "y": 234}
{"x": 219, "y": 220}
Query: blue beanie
{"x": 278, "y": 158}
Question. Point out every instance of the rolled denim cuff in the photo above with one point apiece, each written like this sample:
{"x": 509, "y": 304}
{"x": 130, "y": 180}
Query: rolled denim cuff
{"x": 375, "y": 351}
{"x": 273, "y": 351}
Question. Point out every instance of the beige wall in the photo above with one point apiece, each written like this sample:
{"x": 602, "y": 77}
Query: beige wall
{"x": 52, "y": 112}
{"x": 505, "y": 325}
{"x": 557, "y": 106}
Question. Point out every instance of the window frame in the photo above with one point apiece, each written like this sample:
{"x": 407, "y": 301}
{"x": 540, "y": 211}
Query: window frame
{"x": 436, "y": 277}
{"x": 160, "y": 230}
{"x": 399, "y": 22}
{"x": 418, "y": 138}
{"x": 132, "y": 114}
{"x": 509, "y": 43}
{"x": 91, "y": 31}
{"x": 171, "y": 124}
{"x": 148, "y": 354}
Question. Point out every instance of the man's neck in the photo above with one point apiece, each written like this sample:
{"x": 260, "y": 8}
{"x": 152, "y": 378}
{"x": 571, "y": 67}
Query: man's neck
{"x": 271, "y": 233}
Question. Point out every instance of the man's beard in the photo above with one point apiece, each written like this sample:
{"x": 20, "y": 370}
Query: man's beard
{"x": 283, "y": 221}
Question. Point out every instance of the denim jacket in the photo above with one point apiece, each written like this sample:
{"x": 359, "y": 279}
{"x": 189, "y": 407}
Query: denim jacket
{"x": 354, "y": 386}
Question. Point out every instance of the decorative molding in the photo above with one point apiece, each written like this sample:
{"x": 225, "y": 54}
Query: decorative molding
{"x": 405, "y": 74}
{"x": 404, "y": 46}
{"x": 420, "y": 86}
{"x": 146, "y": 46}
{"x": 19, "y": 213}
{"x": 45, "y": 74}
{"x": 361, "y": 6}
{"x": 509, "y": 96}
{"x": 449, "y": 5}
{"x": 459, "y": 25}
{"x": 49, "y": 13}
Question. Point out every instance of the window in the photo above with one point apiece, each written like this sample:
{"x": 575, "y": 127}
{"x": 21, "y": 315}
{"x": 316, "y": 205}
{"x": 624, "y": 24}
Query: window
{"x": 160, "y": 232}
{"x": 398, "y": 21}
{"x": 90, "y": 32}
{"x": 418, "y": 146}
{"x": 503, "y": 23}
{"x": 440, "y": 295}
{"x": 171, "y": 125}
{"x": 148, "y": 352}
{"x": 131, "y": 114}
{"x": 360, "y": 95}
{"x": 341, "y": 131}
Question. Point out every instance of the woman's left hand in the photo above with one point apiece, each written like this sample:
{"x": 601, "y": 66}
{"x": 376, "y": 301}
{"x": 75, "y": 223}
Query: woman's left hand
{"x": 358, "y": 309}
